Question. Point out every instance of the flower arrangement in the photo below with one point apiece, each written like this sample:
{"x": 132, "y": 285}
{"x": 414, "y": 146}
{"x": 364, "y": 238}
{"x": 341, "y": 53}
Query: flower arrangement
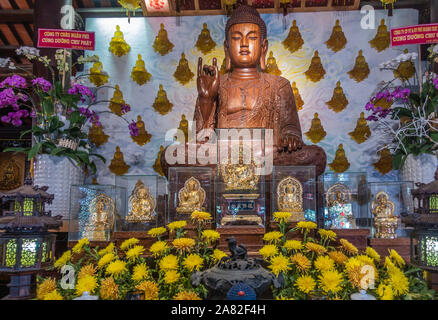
{"x": 61, "y": 108}
{"x": 406, "y": 119}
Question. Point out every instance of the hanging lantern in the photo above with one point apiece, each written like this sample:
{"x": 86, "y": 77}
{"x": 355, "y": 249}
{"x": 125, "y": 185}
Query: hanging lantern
{"x": 284, "y": 4}
{"x": 130, "y": 5}
{"x": 388, "y": 2}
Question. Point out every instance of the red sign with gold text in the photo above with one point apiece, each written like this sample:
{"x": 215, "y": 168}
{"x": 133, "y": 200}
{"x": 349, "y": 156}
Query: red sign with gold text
{"x": 66, "y": 39}
{"x": 419, "y": 34}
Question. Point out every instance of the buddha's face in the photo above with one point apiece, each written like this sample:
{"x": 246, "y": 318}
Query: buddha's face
{"x": 142, "y": 193}
{"x": 245, "y": 45}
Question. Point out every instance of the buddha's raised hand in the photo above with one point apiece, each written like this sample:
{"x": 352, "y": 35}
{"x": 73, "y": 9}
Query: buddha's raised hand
{"x": 208, "y": 80}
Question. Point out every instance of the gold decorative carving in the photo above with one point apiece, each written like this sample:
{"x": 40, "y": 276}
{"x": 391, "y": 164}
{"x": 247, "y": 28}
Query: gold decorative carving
{"x": 290, "y": 198}
{"x": 142, "y": 204}
{"x": 191, "y": 197}
{"x": 384, "y": 219}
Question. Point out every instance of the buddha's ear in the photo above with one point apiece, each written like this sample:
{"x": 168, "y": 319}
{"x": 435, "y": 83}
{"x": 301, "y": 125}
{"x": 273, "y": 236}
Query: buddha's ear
{"x": 227, "y": 57}
{"x": 263, "y": 54}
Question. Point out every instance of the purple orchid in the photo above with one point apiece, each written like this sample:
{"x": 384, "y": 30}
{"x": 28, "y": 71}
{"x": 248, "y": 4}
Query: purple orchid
{"x": 9, "y": 98}
{"x": 83, "y": 91}
{"x": 133, "y": 130}
{"x": 42, "y": 83}
{"x": 125, "y": 108}
{"x": 15, "y": 117}
{"x": 14, "y": 81}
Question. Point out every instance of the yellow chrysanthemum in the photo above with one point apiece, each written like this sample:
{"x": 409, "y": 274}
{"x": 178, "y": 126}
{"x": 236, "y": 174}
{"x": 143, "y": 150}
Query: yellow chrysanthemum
{"x": 183, "y": 244}
{"x": 348, "y": 246}
{"x": 365, "y": 259}
{"x": 338, "y": 257}
{"x": 187, "y": 295}
{"x": 107, "y": 258}
{"x": 200, "y": 216}
{"x": 330, "y": 281}
{"x": 158, "y": 248}
{"x": 385, "y": 292}
{"x": 306, "y": 225}
{"x": 324, "y": 263}
{"x": 193, "y": 262}
{"x": 373, "y": 254}
{"x": 268, "y": 251}
{"x": 272, "y": 237}
{"x": 283, "y": 298}
{"x": 128, "y": 243}
{"x": 109, "y": 290}
{"x": 176, "y": 225}
{"x": 88, "y": 270}
{"x": 54, "y": 295}
{"x": 281, "y": 217}
{"x": 81, "y": 243}
{"x": 116, "y": 268}
{"x": 218, "y": 254}
{"x": 354, "y": 270}
{"x": 140, "y": 272}
{"x": 169, "y": 262}
{"x": 305, "y": 284}
{"x": 109, "y": 249}
{"x": 390, "y": 266}
{"x": 301, "y": 262}
{"x": 279, "y": 264}
{"x": 399, "y": 282}
{"x": 62, "y": 261}
{"x": 171, "y": 276}
{"x": 293, "y": 245}
{"x": 45, "y": 287}
{"x": 314, "y": 247}
{"x": 399, "y": 261}
{"x": 155, "y": 232}
{"x": 150, "y": 290}
{"x": 135, "y": 252}
{"x": 210, "y": 235}
{"x": 327, "y": 234}
{"x": 86, "y": 283}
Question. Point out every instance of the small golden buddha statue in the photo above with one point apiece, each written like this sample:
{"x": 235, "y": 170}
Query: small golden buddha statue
{"x": 162, "y": 45}
{"x": 191, "y": 197}
{"x": 316, "y": 132}
{"x": 116, "y": 101}
{"x": 340, "y": 162}
{"x": 337, "y": 40}
{"x": 361, "y": 70}
{"x": 316, "y": 71}
{"x": 183, "y": 74}
{"x": 384, "y": 164}
{"x": 141, "y": 203}
{"x": 290, "y": 198}
{"x": 143, "y": 136}
{"x": 101, "y": 219}
{"x": 271, "y": 65}
{"x": 161, "y": 104}
{"x": 382, "y": 40}
{"x": 338, "y": 101}
{"x": 405, "y": 70}
{"x": 385, "y": 221}
{"x": 97, "y": 76}
{"x": 97, "y": 135}
{"x": 118, "y": 45}
{"x": 298, "y": 100}
{"x": 9, "y": 175}
{"x": 139, "y": 73}
{"x": 184, "y": 127}
{"x": 294, "y": 41}
{"x": 157, "y": 164}
{"x": 118, "y": 165}
{"x": 205, "y": 43}
{"x": 338, "y": 202}
{"x": 362, "y": 132}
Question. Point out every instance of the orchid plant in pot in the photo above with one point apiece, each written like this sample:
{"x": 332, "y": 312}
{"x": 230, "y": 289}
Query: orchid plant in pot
{"x": 405, "y": 118}
{"x": 62, "y": 109}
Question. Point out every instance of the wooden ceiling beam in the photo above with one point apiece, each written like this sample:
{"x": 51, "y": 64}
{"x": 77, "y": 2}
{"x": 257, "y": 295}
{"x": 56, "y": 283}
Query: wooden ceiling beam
{"x": 16, "y": 16}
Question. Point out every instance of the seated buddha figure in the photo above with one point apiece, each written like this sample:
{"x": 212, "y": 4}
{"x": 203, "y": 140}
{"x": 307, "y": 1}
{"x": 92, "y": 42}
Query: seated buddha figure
{"x": 384, "y": 219}
{"x": 191, "y": 197}
{"x": 162, "y": 104}
{"x": 382, "y": 40}
{"x": 205, "y": 43}
{"x": 290, "y": 198}
{"x": 271, "y": 66}
{"x": 183, "y": 74}
{"x": 142, "y": 204}
{"x": 248, "y": 98}
{"x": 162, "y": 44}
{"x": 97, "y": 76}
{"x": 139, "y": 73}
{"x": 143, "y": 136}
{"x": 118, "y": 45}
{"x": 361, "y": 69}
{"x": 101, "y": 217}
{"x": 118, "y": 165}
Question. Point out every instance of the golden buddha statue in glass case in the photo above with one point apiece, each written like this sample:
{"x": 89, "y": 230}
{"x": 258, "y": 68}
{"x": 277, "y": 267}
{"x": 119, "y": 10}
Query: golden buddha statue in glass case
{"x": 141, "y": 204}
{"x": 338, "y": 202}
{"x": 290, "y": 198}
{"x": 384, "y": 219}
{"x": 101, "y": 218}
{"x": 191, "y": 197}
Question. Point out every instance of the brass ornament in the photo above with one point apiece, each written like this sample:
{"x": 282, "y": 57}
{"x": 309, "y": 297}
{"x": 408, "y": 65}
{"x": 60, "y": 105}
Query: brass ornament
{"x": 405, "y": 70}
{"x": 162, "y": 45}
{"x": 116, "y": 101}
{"x": 139, "y": 73}
{"x": 384, "y": 164}
{"x": 11, "y": 171}
{"x": 118, "y": 165}
{"x": 385, "y": 221}
{"x": 101, "y": 219}
{"x": 143, "y": 136}
{"x": 157, "y": 164}
{"x": 118, "y": 45}
{"x": 316, "y": 71}
{"x": 161, "y": 104}
{"x": 97, "y": 76}
{"x": 360, "y": 70}
{"x": 97, "y": 135}
{"x": 316, "y": 132}
{"x": 271, "y": 65}
{"x": 299, "y": 103}
{"x": 340, "y": 162}
{"x": 191, "y": 197}
{"x": 294, "y": 41}
{"x": 382, "y": 40}
{"x": 362, "y": 131}
{"x": 337, "y": 40}
{"x": 205, "y": 43}
{"x": 142, "y": 204}
{"x": 183, "y": 74}
{"x": 290, "y": 198}
{"x": 338, "y": 102}
{"x": 338, "y": 202}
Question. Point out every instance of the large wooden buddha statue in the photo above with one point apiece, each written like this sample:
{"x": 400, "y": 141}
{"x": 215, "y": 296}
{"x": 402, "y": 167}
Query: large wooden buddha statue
{"x": 246, "y": 97}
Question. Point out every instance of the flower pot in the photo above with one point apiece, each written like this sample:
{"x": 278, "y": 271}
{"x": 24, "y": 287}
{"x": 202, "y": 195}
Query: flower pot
{"x": 58, "y": 173}
{"x": 419, "y": 168}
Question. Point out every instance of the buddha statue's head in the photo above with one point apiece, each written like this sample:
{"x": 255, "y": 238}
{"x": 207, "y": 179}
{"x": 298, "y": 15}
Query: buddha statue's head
{"x": 246, "y": 41}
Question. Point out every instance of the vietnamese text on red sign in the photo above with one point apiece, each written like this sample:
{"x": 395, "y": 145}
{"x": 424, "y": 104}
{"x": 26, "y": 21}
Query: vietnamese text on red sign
{"x": 66, "y": 39}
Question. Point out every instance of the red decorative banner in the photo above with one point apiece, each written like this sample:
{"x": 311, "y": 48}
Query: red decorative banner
{"x": 419, "y": 34}
{"x": 66, "y": 39}
{"x": 157, "y": 5}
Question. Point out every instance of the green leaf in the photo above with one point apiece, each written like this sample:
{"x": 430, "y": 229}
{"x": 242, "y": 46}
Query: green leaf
{"x": 34, "y": 150}
{"x": 16, "y": 149}
{"x": 75, "y": 117}
{"x": 56, "y": 151}
{"x": 47, "y": 106}
{"x": 396, "y": 161}
{"x": 23, "y": 133}
{"x": 98, "y": 156}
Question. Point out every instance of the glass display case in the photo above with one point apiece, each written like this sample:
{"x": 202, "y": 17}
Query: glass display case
{"x": 145, "y": 205}
{"x": 345, "y": 198}
{"x": 294, "y": 190}
{"x": 387, "y": 202}
{"x": 94, "y": 209}
{"x": 190, "y": 189}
